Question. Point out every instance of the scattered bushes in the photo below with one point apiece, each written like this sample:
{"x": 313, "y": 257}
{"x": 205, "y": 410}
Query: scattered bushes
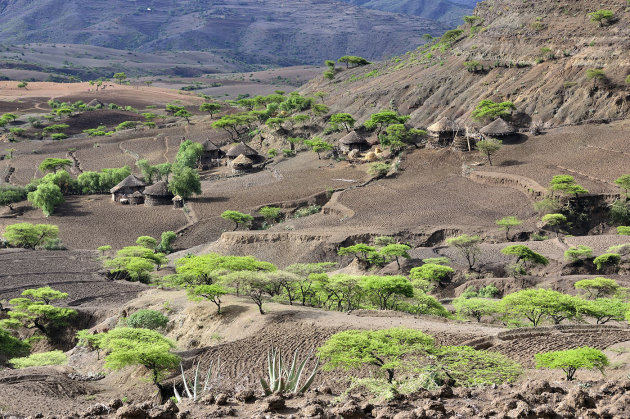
{"x": 40, "y": 360}
{"x": 147, "y": 319}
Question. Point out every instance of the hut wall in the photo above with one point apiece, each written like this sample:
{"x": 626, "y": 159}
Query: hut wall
{"x": 151, "y": 201}
{"x": 133, "y": 200}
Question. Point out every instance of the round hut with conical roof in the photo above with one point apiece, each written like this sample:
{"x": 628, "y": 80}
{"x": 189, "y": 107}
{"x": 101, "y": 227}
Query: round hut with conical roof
{"x": 442, "y": 133}
{"x": 126, "y": 188}
{"x": 241, "y": 164}
{"x": 498, "y": 129}
{"x": 353, "y": 141}
{"x": 157, "y": 194}
{"x": 242, "y": 149}
{"x": 211, "y": 155}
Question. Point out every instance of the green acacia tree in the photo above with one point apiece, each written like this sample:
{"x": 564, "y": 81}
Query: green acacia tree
{"x": 120, "y": 77}
{"x": 604, "y": 310}
{"x": 147, "y": 241}
{"x": 166, "y": 242}
{"x": 46, "y": 197}
{"x": 185, "y": 182}
{"x": 598, "y": 287}
{"x": 237, "y": 217}
{"x": 489, "y": 147}
{"x": 384, "y": 290}
{"x": 566, "y": 184}
{"x": 211, "y": 108}
{"x": 389, "y": 349}
{"x": 537, "y": 305}
{"x": 488, "y": 110}
{"x": 33, "y": 310}
{"x": 360, "y": 250}
{"x": 395, "y": 251}
{"x": 431, "y": 272}
{"x": 344, "y": 119}
{"x": 467, "y": 246}
{"x": 602, "y": 16}
{"x": 54, "y": 164}
{"x": 507, "y": 223}
{"x": 579, "y": 252}
{"x": 571, "y": 360}
{"x": 353, "y": 60}
{"x": 212, "y": 293}
{"x": 147, "y": 319}
{"x": 623, "y": 181}
{"x": 611, "y": 260}
{"x": 555, "y": 221}
{"x": 271, "y": 214}
{"x": 318, "y": 146}
{"x": 129, "y": 347}
{"x": 381, "y": 120}
{"x": 29, "y": 235}
{"x": 476, "y": 308}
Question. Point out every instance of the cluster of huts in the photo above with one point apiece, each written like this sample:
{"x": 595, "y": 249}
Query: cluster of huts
{"x": 134, "y": 191}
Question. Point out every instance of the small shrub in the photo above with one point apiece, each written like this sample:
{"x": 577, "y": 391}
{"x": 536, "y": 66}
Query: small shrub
{"x": 379, "y": 169}
{"x": 607, "y": 259}
{"x": 147, "y": 319}
{"x": 305, "y": 212}
{"x": 40, "y": 359}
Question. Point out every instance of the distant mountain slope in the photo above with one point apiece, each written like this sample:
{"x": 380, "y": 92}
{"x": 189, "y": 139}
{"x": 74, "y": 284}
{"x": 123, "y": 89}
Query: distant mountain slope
{"x": 252, "y": 31}
{"x": 536, "y": 54}
{"x": 441, "y": 10}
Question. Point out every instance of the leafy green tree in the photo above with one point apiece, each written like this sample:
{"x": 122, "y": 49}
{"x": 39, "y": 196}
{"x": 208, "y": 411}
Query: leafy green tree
{"x": 604, "y": 310}
{"x": 342, "y": 292}
{"x": 623, "y": 182}
{"x": 383, "y": 290}
{"x": 537, "y": 305}
{"x": 387, "y": 349}
{"x": 489, "y": 147}
{"x": 53, "y": 164}
{"x": 525, "y": 254}
{"x": 307, "y": 273}
{"x": 353, "y": 60}
{"x": 129, "y": 347}
{"x": 183, "y": 113}
{"x": 134, "y": 263}
{"x": 472, "y": 368}
{"x": 467, "y": 246}
{"x": 621, "y": 230}
{"x": 579, "y": 252}
{"x": 476, "y": 308}
{"x": 11, "y": 346}
{"x": 46, "y": 197}
{"x": 205, "y": 269}
{"x": 318, "y": 145}
{"x": 147, "y": 241}
{"x": 271, "y": 214}
{"x": 507, "y": 223}
{"x": 188, "y": 154}
{"x": 212, "y": 293}
{"x": 120, "y": 77}
{"x": 554, "y": 221}
{"x": 607, "y": 260}
{"x": 166, "y": 242}
{"x": 602, "y": 16}
{"x": 10, "y": 195}
{"x": 396, "y": 251}
{"x": 33, "y": 311}
{"x": 211, "y": 108}
{"x": 431, "y": 272}
{"x": 424, "y": 304}
{"x": 360, "y": 250}
{"x": 488, "y": 110}
{"x": 185, "y": 182}
{"x": 147, "y": 319}
{"x": 237, "y": 217}
{"x": 22, "y": 85}
{"x": 30, "y": 236}
{"x": 381, "y": 120}
{"x": 344, "y": 119}
{"x": 172, "y": 108}
{"x": 566, "y": 184}
{"x": 571, "y": 360}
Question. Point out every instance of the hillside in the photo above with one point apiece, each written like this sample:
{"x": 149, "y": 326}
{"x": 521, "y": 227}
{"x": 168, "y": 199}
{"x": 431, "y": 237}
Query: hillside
{"x": 267, "y": 31}
{"x": 442, "y": 10}
{"x": 535, "y": 54}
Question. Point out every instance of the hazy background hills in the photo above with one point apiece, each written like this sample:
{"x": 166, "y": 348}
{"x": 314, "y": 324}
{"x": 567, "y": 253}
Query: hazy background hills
{"x": 281, "y": 32}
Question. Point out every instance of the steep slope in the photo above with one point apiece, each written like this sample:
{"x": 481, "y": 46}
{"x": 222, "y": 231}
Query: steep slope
{"x": 549, "y": 85}
{"x": 442, "y": 10}
{"x": 254, "y": 31}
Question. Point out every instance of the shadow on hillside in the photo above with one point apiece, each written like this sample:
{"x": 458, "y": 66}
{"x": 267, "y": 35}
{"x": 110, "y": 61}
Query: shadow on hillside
{"x": 209, "y": 199}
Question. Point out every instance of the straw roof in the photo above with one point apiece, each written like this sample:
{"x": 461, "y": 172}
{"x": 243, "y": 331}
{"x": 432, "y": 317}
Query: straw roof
{"x": 95, "y": 102}
{"x": 352, "y": 138}
{"x": 242, "y": 160}
{"x": 158, "y": 189}
{"x": 443, "y": 125}
{"x": 498, "y": 127}
{"x": 209, "y": 146}
{"x": 137, "y": 194}
{"x": 243, "y": 149}
{"x": 129, "y": 182}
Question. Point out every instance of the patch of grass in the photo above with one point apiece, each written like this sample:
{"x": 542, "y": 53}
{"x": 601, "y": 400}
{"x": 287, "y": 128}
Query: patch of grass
{"x": 40, "y": 359}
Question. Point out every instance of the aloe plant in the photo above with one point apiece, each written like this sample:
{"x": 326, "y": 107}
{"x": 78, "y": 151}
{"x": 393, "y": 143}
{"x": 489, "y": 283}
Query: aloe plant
{"x": 197, "y": 390}
{"x": 282, "y": 380}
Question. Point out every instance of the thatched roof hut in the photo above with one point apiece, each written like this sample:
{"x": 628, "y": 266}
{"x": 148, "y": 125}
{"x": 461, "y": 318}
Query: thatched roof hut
{"x": 442, "y": 132}
{"x": 211, "y": 154}
{"x": 242, "y": 164}
{"x": 353, "y": 141}
{"x": 158, "y": 194}
{"x": 498, "y": 128}
{"x": 127, "y": 187}
{"x": 444, "y": 125}
{"x": 95, "y": 103}
{"x": 242, "y": 149}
